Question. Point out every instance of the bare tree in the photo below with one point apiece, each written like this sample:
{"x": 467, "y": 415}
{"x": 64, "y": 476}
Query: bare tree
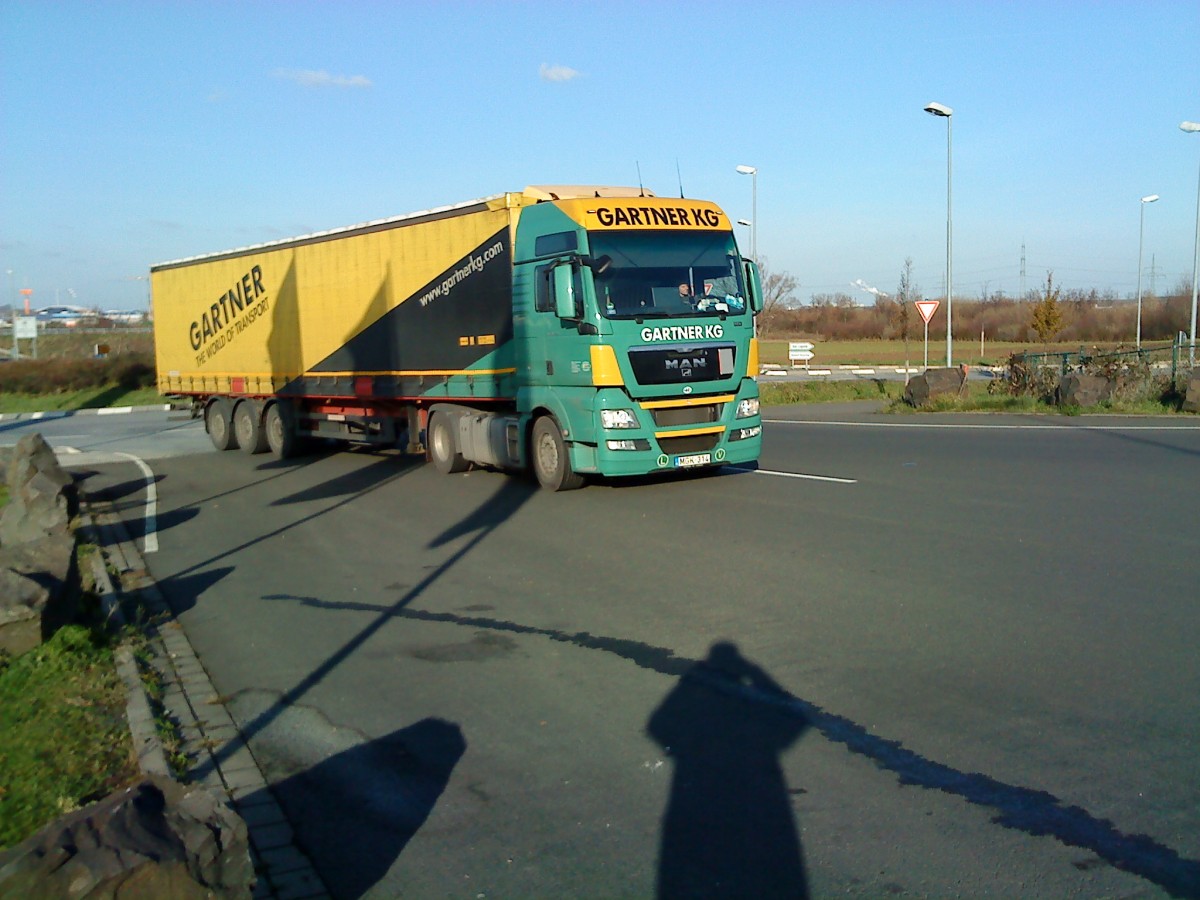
{"x": 779, "y": 290}
{"x": 907, "y": 292}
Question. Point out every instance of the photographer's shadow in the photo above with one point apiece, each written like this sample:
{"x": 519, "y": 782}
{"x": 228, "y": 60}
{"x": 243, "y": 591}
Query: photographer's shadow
{"x": 728, "y": 830}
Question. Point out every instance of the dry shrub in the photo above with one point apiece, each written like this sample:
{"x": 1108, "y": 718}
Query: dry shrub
{"x": 61, "y": 376}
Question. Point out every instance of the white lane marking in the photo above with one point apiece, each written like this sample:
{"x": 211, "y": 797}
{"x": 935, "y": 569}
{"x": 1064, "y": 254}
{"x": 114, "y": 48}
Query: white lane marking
{"x": 993, "y": 426}
{"x": 114, "y": 410}
{"x": 151, "y": 514}
{"x": 830, "y": 478}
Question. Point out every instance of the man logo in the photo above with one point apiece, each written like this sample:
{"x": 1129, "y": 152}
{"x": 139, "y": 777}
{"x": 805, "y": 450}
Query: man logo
{"x": 686, "y": 365}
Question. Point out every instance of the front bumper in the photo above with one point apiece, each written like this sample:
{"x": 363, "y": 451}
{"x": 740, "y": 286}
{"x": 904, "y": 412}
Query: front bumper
{"x": 673, "y": 435}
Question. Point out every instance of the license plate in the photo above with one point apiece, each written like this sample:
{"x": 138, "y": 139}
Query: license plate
{"x": 695, "y": 459}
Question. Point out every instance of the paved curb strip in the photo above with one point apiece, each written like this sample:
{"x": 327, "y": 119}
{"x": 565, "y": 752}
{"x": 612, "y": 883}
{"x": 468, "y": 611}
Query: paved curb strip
{"x": 191, "y": 703}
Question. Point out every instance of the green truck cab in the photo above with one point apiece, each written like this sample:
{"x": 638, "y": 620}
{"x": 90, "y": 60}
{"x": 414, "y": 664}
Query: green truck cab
{"x": 637, "y": 320}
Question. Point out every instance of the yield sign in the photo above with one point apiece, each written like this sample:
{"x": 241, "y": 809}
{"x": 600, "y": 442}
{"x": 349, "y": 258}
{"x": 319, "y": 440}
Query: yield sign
{"x": 926, "y": 308}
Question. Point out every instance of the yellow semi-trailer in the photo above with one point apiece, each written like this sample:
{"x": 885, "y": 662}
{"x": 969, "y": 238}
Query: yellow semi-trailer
{"x": 570, "y": 330}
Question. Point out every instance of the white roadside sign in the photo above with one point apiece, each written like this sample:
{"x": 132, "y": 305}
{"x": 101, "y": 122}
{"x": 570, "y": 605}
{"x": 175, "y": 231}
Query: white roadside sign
{"x": 800, "y": 351}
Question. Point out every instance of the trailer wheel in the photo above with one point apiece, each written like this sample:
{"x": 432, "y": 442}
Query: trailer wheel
{"x": 280, "y": 432}
{"x": 443, "y": 448}
{"x": 551, "y": 461}
{"x": 248, "y": 427}
{"x": 219, "y": 425}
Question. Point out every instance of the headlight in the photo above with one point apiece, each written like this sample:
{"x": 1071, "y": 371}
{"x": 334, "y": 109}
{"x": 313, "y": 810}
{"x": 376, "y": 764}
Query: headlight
{"x": 744, "y": 434}
{"x": 618, "y": 418}
{"x": 635, "y": 444}
{"x": 747, "y": 408}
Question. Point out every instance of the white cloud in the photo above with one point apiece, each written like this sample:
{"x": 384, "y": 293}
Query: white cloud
{"x": 320, "y": 78}
{"x": 556, "y": 73}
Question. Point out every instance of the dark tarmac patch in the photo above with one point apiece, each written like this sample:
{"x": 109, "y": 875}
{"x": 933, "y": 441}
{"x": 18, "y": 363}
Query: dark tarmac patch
{"x": 484, "y": 645}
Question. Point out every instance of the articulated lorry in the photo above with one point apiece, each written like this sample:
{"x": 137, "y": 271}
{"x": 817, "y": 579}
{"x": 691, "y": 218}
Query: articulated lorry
{"x": 569, "y": 330}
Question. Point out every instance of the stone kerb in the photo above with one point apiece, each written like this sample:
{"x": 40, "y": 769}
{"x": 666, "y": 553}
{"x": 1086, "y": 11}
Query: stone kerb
{"x": 153, "y": 839}
{"x": 39, "y": 573}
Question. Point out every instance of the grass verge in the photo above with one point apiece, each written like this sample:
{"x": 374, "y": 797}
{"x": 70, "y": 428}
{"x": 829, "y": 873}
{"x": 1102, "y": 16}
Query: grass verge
{"x": 90, "y": 398}
{"x": 64, "y": 738}
{"x": 975, "y": 398}
{"x": 786, "y": 393}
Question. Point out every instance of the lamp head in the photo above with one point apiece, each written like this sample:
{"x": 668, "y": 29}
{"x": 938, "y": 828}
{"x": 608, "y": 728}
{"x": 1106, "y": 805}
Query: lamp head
{"x": 1150, "y": 199}
{"x": 745, "y": 222}
{"x": 939, "y": 109}
{"x": 747, "y": 170}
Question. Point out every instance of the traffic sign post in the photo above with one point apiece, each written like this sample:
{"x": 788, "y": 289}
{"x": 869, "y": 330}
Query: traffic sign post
{"x": 24, "y": 328}
{"x": 926, "y": 308}
{"x": 800, "y": 351}
{"x": 16, "y": 322}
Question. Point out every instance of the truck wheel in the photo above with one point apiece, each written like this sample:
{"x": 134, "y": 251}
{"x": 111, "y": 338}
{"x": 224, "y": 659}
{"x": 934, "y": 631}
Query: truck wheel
{"x": 551, "y": 462}
{"x": 281, "y": 435}
{"x": 219, "y": 425}
{"x": 248, "y": 427}
{"x": 443, "y": 447}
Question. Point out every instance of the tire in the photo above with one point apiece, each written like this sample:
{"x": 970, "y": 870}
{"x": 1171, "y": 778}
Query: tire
{"x": 280, "y": 432}
{"x": 443, "y": 445}
{"x": 218, "y": 422}
{"x": 248, "y": 427}
{"x": 551, "y": 461}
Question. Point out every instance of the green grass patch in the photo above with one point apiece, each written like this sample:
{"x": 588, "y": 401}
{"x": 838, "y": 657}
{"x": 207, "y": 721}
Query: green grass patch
{"x": 976, "y": 399}
{"x": 892, "y": 353}
{"x": 88, "y": 398}
{"x": 64, "y": 739}
{"x": 786, "y": 393}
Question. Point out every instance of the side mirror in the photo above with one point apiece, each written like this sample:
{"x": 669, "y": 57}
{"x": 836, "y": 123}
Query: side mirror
{"x": 564, "y": 291}
{"x": 753, "y": 286}
{"x": 599, "y": 265}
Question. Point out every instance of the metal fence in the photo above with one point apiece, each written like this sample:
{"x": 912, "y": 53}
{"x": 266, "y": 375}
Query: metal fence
{"x": 1176, "y": 359}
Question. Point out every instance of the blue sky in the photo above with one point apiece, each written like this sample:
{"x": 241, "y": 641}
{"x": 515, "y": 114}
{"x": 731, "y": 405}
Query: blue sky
{"x": 134, "y": 133}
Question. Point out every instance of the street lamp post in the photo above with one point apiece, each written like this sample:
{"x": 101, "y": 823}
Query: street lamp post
{"x": 1192, "y": 128}
{"x": 12, "y": 288}
{"x": 945, "y": 112}
{"x": 747, "y": 223}
{"x": 1141, "y": 234}
{"x": 753, "y": 173}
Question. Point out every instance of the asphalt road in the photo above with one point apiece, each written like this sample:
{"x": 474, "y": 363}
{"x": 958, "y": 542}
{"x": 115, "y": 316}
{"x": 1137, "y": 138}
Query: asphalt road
{"x": 907, "y": 656}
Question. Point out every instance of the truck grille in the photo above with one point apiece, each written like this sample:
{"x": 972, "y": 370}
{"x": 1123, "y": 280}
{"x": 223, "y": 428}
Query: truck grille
{"x": 689, "y": 443}
{"x": 704, "y": 414}
{"x": 678, "y": 364}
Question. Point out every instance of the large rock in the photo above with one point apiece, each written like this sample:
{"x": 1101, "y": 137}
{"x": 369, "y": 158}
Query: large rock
{"x": 41, "y": 496}
{"x": 39, "y": 591}
{"x": 932, "y": 383}
{"x": 1191, "y": 399}
{"x": 1077, "y": 389}
{"x": 152, "y": 840}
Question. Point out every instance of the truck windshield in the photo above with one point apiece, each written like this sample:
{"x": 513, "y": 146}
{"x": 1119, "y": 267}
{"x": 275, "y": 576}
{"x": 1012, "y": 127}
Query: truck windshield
{"x": 660, "y": 274}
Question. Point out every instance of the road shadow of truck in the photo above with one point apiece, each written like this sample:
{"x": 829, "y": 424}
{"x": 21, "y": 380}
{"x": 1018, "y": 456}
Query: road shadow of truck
{"x": 477, "y": 525}
{"x": 385, "y": 468}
